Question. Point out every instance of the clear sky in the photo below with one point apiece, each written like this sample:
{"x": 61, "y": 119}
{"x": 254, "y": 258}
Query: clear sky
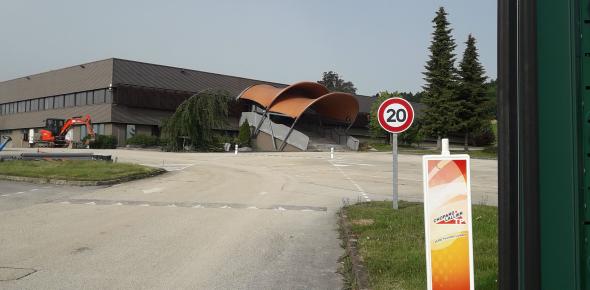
{"x": 378, "y": 45}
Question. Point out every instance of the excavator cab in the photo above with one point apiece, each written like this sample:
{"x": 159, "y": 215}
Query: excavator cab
{"x": 54, "y": 125}
{"x": 51, "y": 133}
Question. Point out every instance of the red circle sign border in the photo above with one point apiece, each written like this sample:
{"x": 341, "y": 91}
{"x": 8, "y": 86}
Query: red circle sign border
{"x": 401, "y": 128}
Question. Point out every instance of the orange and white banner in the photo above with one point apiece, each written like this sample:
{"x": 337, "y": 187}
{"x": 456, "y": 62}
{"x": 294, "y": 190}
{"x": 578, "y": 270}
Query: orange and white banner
{"x": 447, "y": 222}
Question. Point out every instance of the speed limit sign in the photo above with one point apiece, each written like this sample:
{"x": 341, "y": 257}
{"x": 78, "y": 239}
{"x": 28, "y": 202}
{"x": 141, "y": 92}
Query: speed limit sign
{"x": 396, "y": 115}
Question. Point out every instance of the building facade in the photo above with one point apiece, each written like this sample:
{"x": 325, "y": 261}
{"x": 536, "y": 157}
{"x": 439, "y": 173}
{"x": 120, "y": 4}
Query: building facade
{"x": 122, "y": 97}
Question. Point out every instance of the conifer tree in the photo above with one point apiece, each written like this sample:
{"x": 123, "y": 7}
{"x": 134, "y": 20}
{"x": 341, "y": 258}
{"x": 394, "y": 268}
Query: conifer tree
{"x": 473, "y": 109}
{"x": 440, "y": 115}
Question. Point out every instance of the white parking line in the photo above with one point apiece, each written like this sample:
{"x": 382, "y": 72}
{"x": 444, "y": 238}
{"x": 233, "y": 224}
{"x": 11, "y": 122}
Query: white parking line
{"x": 152, "y": 190}
{"x": 358, "y": 187}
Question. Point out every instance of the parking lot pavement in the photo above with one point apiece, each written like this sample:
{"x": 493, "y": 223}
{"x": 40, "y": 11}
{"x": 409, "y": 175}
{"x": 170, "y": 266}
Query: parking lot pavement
{"x": 15, "y": 195}
{"x": 215, "y": 221}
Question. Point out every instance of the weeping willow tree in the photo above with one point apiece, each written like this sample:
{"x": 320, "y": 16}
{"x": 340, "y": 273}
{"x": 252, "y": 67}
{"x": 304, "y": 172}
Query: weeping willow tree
{"x": 195, "y": 120}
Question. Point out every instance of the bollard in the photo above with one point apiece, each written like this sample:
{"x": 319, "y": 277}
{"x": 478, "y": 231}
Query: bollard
{"x": 236, "y": 152}
{"x": 331, "y": 152}
{"x": 445, "y": 147}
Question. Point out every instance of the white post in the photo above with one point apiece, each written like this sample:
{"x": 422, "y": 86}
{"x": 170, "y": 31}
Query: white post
{"x": 236, "y": 152}
{"x": 332, "y": 153}
{"x": 394, "y": 169}
{"x": 445, "y": 147}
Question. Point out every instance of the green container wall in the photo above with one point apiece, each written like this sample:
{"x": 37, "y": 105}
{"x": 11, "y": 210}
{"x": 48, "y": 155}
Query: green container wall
{"x": 560, "y": 157}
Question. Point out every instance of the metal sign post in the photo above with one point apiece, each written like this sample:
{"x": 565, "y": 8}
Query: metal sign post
{"x": 395, "y": 115}
{"x": 394, "y": 168}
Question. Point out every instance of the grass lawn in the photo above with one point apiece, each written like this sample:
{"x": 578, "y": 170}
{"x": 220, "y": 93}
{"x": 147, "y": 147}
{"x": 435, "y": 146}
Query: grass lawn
{"x": 78, "y": 170}
{"x": 391, "y": 244}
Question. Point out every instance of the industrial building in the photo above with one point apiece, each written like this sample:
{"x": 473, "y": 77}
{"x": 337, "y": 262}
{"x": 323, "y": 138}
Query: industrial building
{"x": 123, "y": 97}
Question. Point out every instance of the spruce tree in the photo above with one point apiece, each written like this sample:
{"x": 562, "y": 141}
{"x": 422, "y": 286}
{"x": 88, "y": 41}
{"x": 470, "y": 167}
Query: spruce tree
{"x": 440, "y": 115}
{"x": 473, "y": 111}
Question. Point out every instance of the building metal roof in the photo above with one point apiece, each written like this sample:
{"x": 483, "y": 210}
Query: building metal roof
{"x": 297, "y": 98}
{"x": 84, "y": 77}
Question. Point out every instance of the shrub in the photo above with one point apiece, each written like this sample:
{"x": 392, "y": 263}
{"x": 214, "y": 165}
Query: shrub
{"x": 244, "y": 135}
{"x": 143, "y": 140}
{"x": 484, "y": 137}
{"x": 104, "y": 142}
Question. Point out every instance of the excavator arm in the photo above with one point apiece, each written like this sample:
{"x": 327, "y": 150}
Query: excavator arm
{"x": 86, "y": 121}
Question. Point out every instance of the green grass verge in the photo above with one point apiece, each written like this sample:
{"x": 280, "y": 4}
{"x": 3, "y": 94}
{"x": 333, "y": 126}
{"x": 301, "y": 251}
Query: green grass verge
{"x": 392, "y": 246}
{"x": 73, "y": 170}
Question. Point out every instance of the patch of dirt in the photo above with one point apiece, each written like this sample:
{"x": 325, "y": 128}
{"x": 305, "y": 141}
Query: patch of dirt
{"x": 363, "y": 222}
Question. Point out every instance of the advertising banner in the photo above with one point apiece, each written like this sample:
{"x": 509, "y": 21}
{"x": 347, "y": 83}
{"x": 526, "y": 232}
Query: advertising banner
{"x": 447, "y": 222}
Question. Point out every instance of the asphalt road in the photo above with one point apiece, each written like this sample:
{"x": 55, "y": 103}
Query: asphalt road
{"x": 215, "y": 221}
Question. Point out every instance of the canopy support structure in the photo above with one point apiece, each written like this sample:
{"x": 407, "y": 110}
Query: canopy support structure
{"x": 264, "y": 114}
{"x": 284, "y": 143}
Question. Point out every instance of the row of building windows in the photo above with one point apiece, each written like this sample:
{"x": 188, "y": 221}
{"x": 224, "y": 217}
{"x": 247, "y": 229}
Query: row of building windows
{"x": 97, "y": 128}
{"x": 56, "y": 102}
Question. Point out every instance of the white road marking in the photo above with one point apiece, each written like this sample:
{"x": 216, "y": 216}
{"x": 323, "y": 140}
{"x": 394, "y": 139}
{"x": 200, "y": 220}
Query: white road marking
{"x": 118, "y": 203}
{"x": 91, "y": 203}
{"x": 225, "y": 206}
{"x": 252, "y": 207}
{"x": 171, "y": 166}
{"x": 263, "y": 193}
{"x": 34, "y": 189}
{"x": 152, "y": 190}
{"x": 280, "y": 208}
{"x": 360, "y": 189}
{"x": 341, "y": 165}
{"x": 198, "y": 206}
{"x": 4, "y": 195}
{"x": 171, "y": 205}
{"x": 65, "y": 202}
{"x": 144, "y": 204}
{"x": 20, "y": 192}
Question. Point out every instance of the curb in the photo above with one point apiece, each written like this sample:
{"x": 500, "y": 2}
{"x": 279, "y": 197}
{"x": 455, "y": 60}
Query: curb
{"x": 39, "y": 180}
{"x": 361, "y": 277}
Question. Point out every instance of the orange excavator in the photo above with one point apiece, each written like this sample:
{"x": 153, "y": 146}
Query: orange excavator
{"x": 54, "y": 134}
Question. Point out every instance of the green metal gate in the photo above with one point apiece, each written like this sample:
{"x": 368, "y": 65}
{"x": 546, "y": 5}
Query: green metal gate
{"x": 544, "y": 154}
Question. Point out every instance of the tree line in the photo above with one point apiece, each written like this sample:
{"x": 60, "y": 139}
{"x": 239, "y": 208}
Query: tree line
{"x": 458, "y": 99}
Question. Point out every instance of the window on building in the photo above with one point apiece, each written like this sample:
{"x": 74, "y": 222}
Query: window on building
{"x": 98, "y": 129}
{"x": 81, "y": 99}
{"x": 89, "y": 98}
{"x": 34, "y": 105}
{"x": 83, "y": 132}
{"x": 48, "y": 103}
{"x": 21, "y": 107}
{"x": 70, "y": 100}
{"x": 2, "y": 109}
{"x": 58, "y": 102}
{"x": 12, "y": 108}
{"x": 41, "y": 104}
{"x": 27, "y": 105}
{"x": 109, "y": 96}
{"x": 99, "y": 96}
{"x": 130, "y": 132}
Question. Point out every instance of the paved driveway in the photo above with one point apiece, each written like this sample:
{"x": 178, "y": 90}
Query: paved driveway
{"x": 215, "y": 221}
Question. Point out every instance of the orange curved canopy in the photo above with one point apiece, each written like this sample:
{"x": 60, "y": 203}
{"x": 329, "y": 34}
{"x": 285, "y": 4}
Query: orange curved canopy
{"x": 295, "y": 99}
